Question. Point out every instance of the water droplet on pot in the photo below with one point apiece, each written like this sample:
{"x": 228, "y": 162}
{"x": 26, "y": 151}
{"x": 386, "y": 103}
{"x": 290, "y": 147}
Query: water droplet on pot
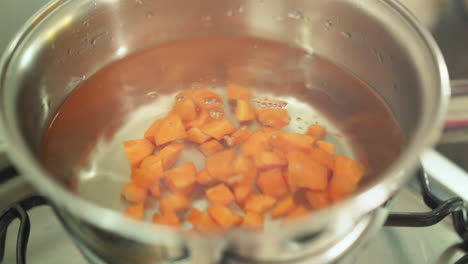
{"x": 296, "y": 15}
{"x": 346, "y": 34}
{"x": 149, "y": 14}
{"x": 229, "y": 13}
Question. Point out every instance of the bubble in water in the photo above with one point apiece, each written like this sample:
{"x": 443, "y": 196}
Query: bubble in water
{"x": 149, "y": 14}
{"x": 346, "y": 34}
{"x": 296, "y": 15}
{"x": 216, "y": 114}
{"x": 152, "y": 95}
{"x": 211, "y": 101}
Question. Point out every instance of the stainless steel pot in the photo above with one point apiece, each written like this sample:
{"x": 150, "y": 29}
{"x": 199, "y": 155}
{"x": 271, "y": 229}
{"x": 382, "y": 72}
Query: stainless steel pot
{"x": 378, "y": 41}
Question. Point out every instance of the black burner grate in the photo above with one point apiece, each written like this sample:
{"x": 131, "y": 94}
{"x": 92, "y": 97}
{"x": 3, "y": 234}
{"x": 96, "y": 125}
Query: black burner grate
{"x": 439, "y": 210}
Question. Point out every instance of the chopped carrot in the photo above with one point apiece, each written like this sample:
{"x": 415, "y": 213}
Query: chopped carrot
{"x": 211, "y": 147}
{"x": 137, "y": 150}
{"x": 202, "y": 221}
{"x": 132, "y": 192}
{"x": 152, "y": 131}
{"x": 237, "y": 137}
{"x": 256, "y": 143}
{"x": 323, "y": 158}
{"x": 272, "y": 183}
{"x": 181, "y": 179}
{"x": 155, "y": 191}
{"x": 298, "y": 212}
{"x": 317, "y": 199}
{"x": 220, "y": 194}
{"x": 245, "y": 167}
{"x": 274, "y": 117}
{"x": 143, "y": 177}
{"x": 168, "y": 219}
{"x": 220, "y": 164}
{"x": 136, "y": 211}
{"x": 346, "y": 175}
{"x": 326, "y": 146}
{"x": 259, "y": 203}
{"x": 244, "y": 111}
{"x": 317, "y": 131}
{"x": 291, "y": 142}
{"x": 267, "y": 160}
{"x": 223, "y": 216}
{"x": 201, "y": 119}
{"x": 196, "y": 135}
{"x": 283, "y": 207}
{"x": 172, "y": 203}
{"x": 170, "y": 154}
{"x": 236, "y": 92}
{"x": 204, "y": 177}
{"x": 218, "y": 128}
{"x": 153, "y": 165}
{"x": 242, "y": 192}
{"x": 170, "y": 129}
{"x": 306, "y": 172}
{"x": 206, "y": 99}
{"x": 185, "y": 108}
{"x": 252, "y": 221}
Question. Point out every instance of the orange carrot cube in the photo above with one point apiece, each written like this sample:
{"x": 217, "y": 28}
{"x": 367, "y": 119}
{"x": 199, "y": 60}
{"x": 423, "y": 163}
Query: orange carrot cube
{"x": 317, "y": 199}
{"x": 220, "y": 194}
{"x": 181, "y": 179}
{"x": 244, "y": 111}
{"x": 196, "y": 135}
{"x": 326, "y": 146}
{"x": 256, "y": 143}
{"x": 242, "y": 192}
{"x": 272, "y": 183}
{"x": 143, "y": 178}
{"x": 237, "y": 137}
{"x": 202, "y": 222}
{"x": 137, "y": 150}
{"x": 218, "y": 128}
{"x": 246, "y": 169}
{"x": 323, "y": 158}
{"x": 220, "y": 164}
{"x": 317, "y": 131}
{"x": 267, "y": 160}
{"x": 274, "y": 117}
{"x": 153, "y": 165}
{"x": 236, "y": 92}
{"x": 211, "y": 147}
{"x": 291, "y": 142}
{"x": 223, "y": 216}
{"x": 346, "y": 176}
{"x": 173, "y": 203}
{"x": 204, "y": 177}
{"x": 185, "y": 107}
{"x": 155, "y": 191}
{"x": 283, "y": 207}
{"x": 206, "y": 99}
{"x": 168, "y": 219}
{"x": 201, "y": 119}
{"x": 132, "y": 192}
{"x": 170, "y": 154}
{"x": 152, "y": 131}
{"x": 252, "y": 221}
{"x": 170, "y": 129}
{"x": 298, "y": 212}
{"x": 136, "y": 211}
{"x": 306, "y": 172}
{"x": 259, "y": 203}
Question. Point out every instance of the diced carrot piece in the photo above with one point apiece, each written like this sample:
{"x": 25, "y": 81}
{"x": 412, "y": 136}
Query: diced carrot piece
{"x": 242, "y": 192}
{"x": 223, "y": 216}
{"x": 170, "y": 154}
{"x": 323, "y": 158}
{"x": 136, "y": 211}
{"x": 237, "y": 137}
{"x": 168, "y": 219}
{"x": 245, "y": 168}
{"x": 272, "y": 183}
{"x": 298, "y": 212}
{"x": 244, "y": 111}
{"x": 155, "y": 190}
{"x": 220, "y": 164}
{"x": 143, "y": 177}
{"x": 211, "y": 147}
{"x": 267, "y": 160}
{"x": 201, "y": 119}
{"x": 132, "y": 192}
{"x": 153, "y": 165}
{"x": 196, "y": 135}
{"x": 202, "y": 222}
{"x": 252, "y": 221}
{"x": 317, "y": 131}
{"x": 186, "y": 109}
{"x": 218, "y": 128}
{"x": 220, "y": 194}
{"x": 283, "y": 207}
{"x": 259, "y": 203}
{"x": 274, "y": 117}
{"x": 326, "y": 146}
{"x": 236, "y": 92}
{"x": 170, "y": 129}
{"x": 204, "y": 177}
{"x": 291, "y": 142}
{"x": 206, "y": 99}
{"x": 317, "y": 200}
{"x": 173, "y": 203}
{"x": 346, "y": 176}
{"x": 181, "y": 179}
{"x": 137, "y": 150}
{"x": 152, "y": 131}
{"x": 306, "y": 172}
{"x": 256, "y": 143}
